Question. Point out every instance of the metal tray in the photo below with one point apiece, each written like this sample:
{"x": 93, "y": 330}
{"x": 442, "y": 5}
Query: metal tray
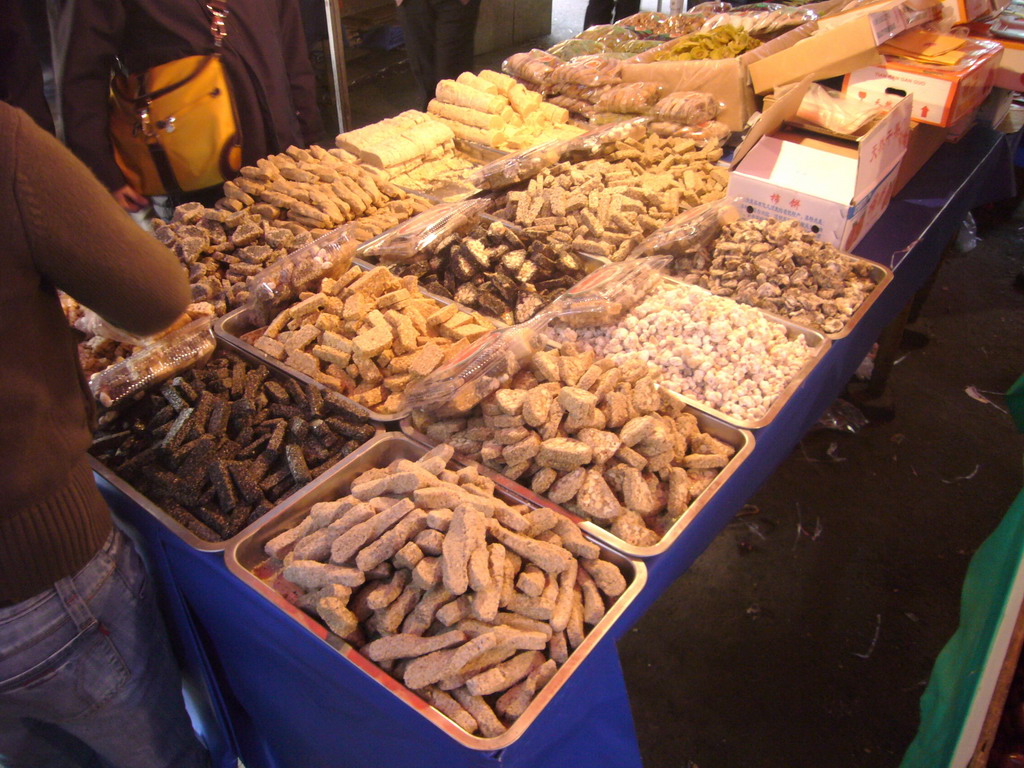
{"x": 177, "y": 528}
{"x": 740, "y": 439}
{"x": 246, "y": 560}
{"x": 231, "y": 327}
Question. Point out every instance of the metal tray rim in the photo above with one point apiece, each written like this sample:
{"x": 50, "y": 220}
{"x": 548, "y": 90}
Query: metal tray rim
{"x": 382, "y": 678}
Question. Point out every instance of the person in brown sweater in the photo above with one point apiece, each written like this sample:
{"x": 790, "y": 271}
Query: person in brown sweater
{"x": 86, "y": 671}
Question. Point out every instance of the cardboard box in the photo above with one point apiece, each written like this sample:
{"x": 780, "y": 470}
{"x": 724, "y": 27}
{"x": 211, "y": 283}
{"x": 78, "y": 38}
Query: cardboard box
{"x": 963, "y": 11}
{"x": 924, "y": 142}
{"x": 837, "y": 187}
{"x": 1010, "y": 72}
{"x": 841, "y": 44}
{"x": 942, "y": 95}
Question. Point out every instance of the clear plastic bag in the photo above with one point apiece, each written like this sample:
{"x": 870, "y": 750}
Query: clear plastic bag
{"x": 573, "y": 47}
{"x": 532, "y": 66}
{"x": 593, "y": 141}
{"x": 702, "y": 134}
{"x": 724, "y": 42}
{"x": 587, "y": 70}
{"x": 629, "y": 98}
{"x": 835, "y": 112}
{"x": 91, "y": 324}
{"x": 517, "y": 167}
{"x": 690, "y": 231}
{"x": 687, "y": 107}
{"x": 418, "y": 234}
{"x": 302, "y": 270}
{"x": 762, "y": 19}
{"x": 608, "y": 292}
{"x": 609, "y": 35}
{"x": 155, "y": 363}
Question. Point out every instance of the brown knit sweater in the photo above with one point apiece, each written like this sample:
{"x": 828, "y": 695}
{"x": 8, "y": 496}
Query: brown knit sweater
{"x": 60, "y": 228}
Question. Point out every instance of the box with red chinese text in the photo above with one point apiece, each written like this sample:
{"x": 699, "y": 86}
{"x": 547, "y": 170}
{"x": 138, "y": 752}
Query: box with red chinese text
{"x": 943, "y": 94}
{"x": 837, "y": 186}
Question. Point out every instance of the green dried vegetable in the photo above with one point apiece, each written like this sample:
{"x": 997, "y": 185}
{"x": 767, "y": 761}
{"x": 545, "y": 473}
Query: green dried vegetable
{"x": 722, "y": 43}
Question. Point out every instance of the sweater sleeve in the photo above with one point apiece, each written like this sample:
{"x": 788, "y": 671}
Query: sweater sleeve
{"x": 301, "y": 81}
{"x": 84, "y": 244}
{"x": 93, "y": 30}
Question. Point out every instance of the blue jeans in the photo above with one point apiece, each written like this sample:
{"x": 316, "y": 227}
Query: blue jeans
{"x": 87, "y": 676}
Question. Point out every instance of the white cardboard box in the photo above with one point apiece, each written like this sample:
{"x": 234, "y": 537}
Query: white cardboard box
{"x": 836, "y": 187}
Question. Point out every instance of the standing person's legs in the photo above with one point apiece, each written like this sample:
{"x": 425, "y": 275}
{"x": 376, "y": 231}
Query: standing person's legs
{"x": 598, "y": 12}
{"x": 87, "y": 677}
{"x": 626, "y": 8}
{"x": 417, "y": 20}
{"x": 453, "y": 37}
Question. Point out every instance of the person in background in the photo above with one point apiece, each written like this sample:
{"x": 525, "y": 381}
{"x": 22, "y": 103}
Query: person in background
{"x": 87, "y": 675}
{"x": 264, "y": 55}
{"x": 607, "y": 11}
{"x": 438, "y": 39}
{"x": 21, "y": 76}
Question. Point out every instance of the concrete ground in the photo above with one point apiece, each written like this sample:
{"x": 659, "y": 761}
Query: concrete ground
{"x": 788, "y": 650}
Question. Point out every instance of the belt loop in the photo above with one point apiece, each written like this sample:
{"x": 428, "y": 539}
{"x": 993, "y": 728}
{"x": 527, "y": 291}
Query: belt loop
{"x": 74, "y": 604}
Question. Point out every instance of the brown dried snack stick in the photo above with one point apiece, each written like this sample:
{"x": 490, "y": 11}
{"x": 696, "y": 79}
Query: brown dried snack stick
{"x": 349, "y": 543}
{"x": 449, "y": 707}
{"x": 392, "y": 540}
{"x": 405, "y": 645}
{"x": 317, "y": 545}
{"x": 541, "y": 519}
{"x": 391, "y": 618}
{"x": 428, "y": 669}
{"x": 593, "y": 604}
{"x": 607, "y": 576}
{"x": 511, "y": 519}
{"x": 574, "y": 632}
{"x": 531, "y": 581}
{"x": 564, "y": 600}
{"x": 427, "y": 573}
{"x": 429, "y": 541}
{"x": 339, "y": 619}
{"x": 309, "y": 574}
{"x": 422, "y": 616}
{"x": 517, "y": 621}
{"x": 573, "y": 539}
{"x": 479, "y": 570}
{"x": 277, "y": 545}
{"x": 558, "y": 648}
{"x": 308, "y": 601}
{"x": 530, "y": 607}
{"x": 548, "y": 557}
{"x": 382, "y": 595}
{"x": 439, "y": 519}
{"x": 408, "y": 556}
{"x": 515, "y": 700}
{"x": 490, "y": 725}
{"x": 465, "y": 534}
{"x": 455, "y": 611}
{"x": 503, "y": 676}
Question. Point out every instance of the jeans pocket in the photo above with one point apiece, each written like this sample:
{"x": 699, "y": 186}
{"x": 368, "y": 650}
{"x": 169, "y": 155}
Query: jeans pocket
{"x": 77, "y": 679}
{"x": 130, "y": 572}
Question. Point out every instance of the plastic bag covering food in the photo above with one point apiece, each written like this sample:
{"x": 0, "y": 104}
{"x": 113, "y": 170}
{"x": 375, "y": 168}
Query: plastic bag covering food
{"x": 725, "y": 42}
{"x": 762, "y": 19}
{"x": 533, "y": 66}
{"x": 301, "y": 270}
{"x": 839, "y": 114}
{"x": 609, "y": 35}
{"x": 517, "y": 167}
{"x": 573, "y": 47}
{"x": 416, "y": 235}
{"x": 587, "y": 70}
{"x": 92, "y": 324}
{"x": 492, "y": 360}
{"x": 687, "y": 107}
{"x": 629, "y": 98}
{"x": 633, "y": 47}
{"x": 593, "y": 141}
{"x": 157, "y": 362}
{"x": 690, "y": 231}
{"x": 713, "y": 130}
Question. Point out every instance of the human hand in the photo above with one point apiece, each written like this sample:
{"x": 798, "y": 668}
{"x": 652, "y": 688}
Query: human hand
{"x": 129, "y": 199}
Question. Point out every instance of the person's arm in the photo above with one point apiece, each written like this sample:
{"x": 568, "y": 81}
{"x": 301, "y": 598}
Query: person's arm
{"x": 93, "y": 30}
{"x": 301, "y": 80}
{"x": 84, "y": 244}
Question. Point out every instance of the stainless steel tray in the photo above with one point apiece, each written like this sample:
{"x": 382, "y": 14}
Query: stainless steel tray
{"x": 247, "y": 560}
{"x": 173, "y": 525}
{"x": 231, "y": 327}
{"x": 740, "y": 439}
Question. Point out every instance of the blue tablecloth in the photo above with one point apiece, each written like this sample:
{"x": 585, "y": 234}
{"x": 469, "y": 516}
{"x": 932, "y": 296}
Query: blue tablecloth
{"x": 281, "y": 697}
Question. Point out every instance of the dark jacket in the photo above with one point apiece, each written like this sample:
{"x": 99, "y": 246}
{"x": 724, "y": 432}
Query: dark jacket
{"x": 264, "y": 55}
{"x": 60, "y": 229}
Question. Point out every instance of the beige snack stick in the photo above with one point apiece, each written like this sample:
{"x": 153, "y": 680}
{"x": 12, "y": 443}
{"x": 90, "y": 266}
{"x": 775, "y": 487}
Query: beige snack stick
{"x": 503, "y": 676}
{"x": 463, "y": 96}
{"x": 471, "y": 117}
{"x": 516, "y": 699}
{"x": 404, "y": 645}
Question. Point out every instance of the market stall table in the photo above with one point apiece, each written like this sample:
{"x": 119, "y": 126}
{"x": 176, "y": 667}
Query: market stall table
{"x": 288, "y": 699}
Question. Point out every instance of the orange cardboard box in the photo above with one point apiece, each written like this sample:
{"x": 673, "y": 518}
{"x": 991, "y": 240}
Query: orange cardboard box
{"x": 1010, "y": 72}
{"x": 942, "y": 94}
